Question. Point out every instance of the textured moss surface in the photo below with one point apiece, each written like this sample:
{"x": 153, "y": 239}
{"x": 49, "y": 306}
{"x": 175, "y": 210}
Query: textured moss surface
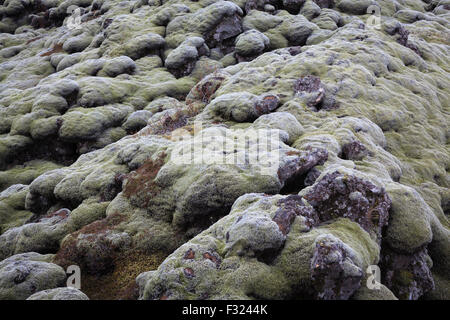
{"x": 96, "y": 115}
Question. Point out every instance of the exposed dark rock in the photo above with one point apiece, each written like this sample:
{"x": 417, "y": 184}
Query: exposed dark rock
{"x": 333, "y": 273}
{"x": 308, "y": 84}
{"x": 354, "y": 150}
{"x": 100, "y": 105}
{"x": 293, "y": 206}
{"x": 338, "y": 195}
{"x": 407, "y": 275}
{"x": 402, "y": 35}
{"x": 223, "y": 35}
{"x": 311, "y": 177}
{"x": 293, "y": 6}
{"x": 325, "y": 3}
{"x": 267, "y": 104}
{"x": 300, "y": 165}
{"x": 190, "y": 254}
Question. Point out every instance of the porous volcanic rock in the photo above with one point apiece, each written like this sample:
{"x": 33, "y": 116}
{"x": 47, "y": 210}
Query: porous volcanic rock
{"x": 254, "y": 149}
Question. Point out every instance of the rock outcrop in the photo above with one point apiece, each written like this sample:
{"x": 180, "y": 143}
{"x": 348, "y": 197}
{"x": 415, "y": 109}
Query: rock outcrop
{"x": 218, "y": 149}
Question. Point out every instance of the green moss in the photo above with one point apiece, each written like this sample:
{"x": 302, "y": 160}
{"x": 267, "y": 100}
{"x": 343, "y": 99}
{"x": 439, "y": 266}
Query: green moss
{"x": 12, "y": 207}
{"x": 89, "y": 211}
{"x": 409, "y": 227}
{"x": 26, "y": 173}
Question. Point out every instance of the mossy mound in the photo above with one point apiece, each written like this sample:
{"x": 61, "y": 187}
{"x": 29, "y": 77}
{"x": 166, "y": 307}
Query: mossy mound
{"x": 106, "y": 108}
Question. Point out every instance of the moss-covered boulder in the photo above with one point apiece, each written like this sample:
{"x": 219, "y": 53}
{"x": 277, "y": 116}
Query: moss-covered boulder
{"x": 25, "y": 274}
{"x": 67, "y": 293}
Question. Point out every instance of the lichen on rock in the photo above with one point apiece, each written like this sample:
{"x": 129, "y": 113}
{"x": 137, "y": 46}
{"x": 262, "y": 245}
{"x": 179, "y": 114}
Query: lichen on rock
{"x": 204, "y": 149}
